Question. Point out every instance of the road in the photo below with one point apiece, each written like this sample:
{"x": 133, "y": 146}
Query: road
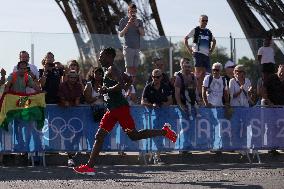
{"x": 256, "y": 176}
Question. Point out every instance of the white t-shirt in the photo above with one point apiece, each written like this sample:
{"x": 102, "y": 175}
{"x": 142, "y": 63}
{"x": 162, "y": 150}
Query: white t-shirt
{"x": 215, "y": 91}
{"x": 242, "y": 99}
{"x": 267, "y": 55}
{"x": 203, "y": 46}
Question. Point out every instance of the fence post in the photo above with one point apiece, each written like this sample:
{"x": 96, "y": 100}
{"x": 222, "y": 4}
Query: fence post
{"x": 32, "y": 54}
{"x": 171, "y": 59}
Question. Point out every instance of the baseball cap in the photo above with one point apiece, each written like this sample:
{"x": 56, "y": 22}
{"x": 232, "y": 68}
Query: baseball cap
{"x": 229, "y": 63}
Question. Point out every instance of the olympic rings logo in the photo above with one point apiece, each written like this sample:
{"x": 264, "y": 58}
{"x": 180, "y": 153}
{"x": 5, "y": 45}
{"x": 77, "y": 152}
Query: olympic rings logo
{"x": 59, "y": 127}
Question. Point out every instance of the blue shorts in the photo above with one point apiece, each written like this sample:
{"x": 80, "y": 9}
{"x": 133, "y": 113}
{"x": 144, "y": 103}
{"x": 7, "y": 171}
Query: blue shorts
{"x": 201, "y": 60}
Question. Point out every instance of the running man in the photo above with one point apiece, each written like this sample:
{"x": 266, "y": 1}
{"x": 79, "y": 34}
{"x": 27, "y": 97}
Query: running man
{"x": 118, "y": 111}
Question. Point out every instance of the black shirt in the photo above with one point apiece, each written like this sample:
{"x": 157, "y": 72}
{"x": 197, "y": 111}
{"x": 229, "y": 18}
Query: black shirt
{"x": 156, "y": 96}
{"x": 51, "y": 86}
{"x": 275, "y": 89}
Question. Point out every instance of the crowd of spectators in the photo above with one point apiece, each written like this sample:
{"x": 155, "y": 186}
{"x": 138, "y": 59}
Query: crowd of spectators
{"x": 196, "y": 84}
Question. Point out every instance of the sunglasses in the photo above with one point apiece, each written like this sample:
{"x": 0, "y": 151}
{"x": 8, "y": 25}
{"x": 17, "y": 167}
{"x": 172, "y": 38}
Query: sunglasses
{"x": 157, "y": 77}
{"x": 216, "y": 70}
{"x": 204, "y": 20}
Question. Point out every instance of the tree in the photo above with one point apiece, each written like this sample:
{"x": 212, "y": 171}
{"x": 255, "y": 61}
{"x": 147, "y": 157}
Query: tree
{"x": 252, "y": 68}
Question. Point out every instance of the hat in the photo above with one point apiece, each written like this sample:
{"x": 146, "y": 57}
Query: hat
{"x": 229, "y": 63}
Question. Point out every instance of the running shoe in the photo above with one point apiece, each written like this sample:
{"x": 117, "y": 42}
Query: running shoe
{"x": 84, "y": 170}
{"x": 171, "y": 135}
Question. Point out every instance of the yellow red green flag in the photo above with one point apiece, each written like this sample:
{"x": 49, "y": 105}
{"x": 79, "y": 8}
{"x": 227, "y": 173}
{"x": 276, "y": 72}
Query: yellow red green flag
{"x": 27, "y": 107}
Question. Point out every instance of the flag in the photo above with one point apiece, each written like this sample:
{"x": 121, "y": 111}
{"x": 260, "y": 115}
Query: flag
{"x": 27, "y": 107}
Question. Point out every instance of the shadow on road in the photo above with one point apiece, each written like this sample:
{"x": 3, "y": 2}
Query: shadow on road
{"x": 140, "y": 174}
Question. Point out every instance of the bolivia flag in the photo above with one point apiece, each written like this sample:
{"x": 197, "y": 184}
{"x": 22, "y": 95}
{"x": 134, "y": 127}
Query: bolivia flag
{"x": 27, "y": 107}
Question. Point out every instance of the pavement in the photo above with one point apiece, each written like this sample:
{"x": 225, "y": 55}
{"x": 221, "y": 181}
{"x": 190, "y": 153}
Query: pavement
{"x": 197, "y": 170}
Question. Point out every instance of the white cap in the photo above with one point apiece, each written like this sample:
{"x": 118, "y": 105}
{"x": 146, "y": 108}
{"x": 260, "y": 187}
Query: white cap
{"x": 229, "y": 63}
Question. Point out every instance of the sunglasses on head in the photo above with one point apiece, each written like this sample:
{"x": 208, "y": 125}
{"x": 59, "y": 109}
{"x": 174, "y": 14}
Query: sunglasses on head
{"x": 156, "y": 76}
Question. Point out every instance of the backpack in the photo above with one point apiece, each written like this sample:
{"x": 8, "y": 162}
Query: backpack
{"x": 224, "y": 85}
{"x": 197, "y": 32}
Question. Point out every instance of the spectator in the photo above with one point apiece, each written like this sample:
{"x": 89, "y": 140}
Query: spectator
{"x": 274, "y": 88}
{"x": 214, "y": 90}
{"x": 131, "y": 29}
{"x": 95, "y": 82}
{"x": 185, "y": 88}
{"x": 229, "y": 71}
{"x": 203, "y": 45}
{"x": 50, "y": 78}
{"x": 158, "y": 63}
{"x": 70, "y": 91}
{"x": 18, "y": 82}
{"x": 266, "y": 58}
{"x": 155, "y": 95}
{"x": 239, "y": 87}
{"x": 31, "y": 70}
{"x": 130, "y": 93}
{"x": 74, "y": 65}
{"x": 3, "y": 74}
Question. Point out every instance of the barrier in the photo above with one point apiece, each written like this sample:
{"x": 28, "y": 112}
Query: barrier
{"x": 73, "y": 129}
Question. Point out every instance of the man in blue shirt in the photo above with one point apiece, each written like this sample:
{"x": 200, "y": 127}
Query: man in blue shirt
{"x": 202, "y": 46}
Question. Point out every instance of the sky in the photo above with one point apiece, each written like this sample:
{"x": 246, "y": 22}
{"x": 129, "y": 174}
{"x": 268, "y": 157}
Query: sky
{"x": 42, "y": 23}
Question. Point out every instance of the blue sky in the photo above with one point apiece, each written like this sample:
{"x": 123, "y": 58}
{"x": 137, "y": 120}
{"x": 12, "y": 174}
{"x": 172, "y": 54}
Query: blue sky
{"x": 35, "y": 16}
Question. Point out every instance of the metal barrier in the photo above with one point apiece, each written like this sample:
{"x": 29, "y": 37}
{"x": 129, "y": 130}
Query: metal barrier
{"x": 73, "y": 129}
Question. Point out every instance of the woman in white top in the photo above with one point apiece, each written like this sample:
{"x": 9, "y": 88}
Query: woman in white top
{"x": 95, "y": 81}
{"x": 239, "y": 87}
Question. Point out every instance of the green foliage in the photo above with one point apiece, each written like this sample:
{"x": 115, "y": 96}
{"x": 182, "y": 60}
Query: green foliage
{"x": 252, "y": 68}
{"x": 219, "y": 55}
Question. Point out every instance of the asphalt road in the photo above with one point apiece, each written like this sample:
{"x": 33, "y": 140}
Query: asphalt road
{"x": 256, "y": 176}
